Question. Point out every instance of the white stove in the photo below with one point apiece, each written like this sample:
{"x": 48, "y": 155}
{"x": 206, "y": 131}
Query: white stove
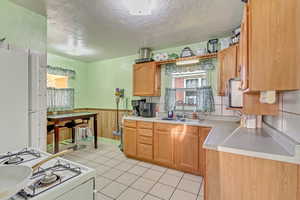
{"x": 57, "y": 179}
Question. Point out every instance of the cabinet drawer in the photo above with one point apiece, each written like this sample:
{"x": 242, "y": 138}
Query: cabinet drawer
{"x": 175, "y": 128}
{"x": 162, "y": 127}
{"x": 145, "y": 132}
{"x": 145, "y": 125}
{"x": 130, "y": 123}
{"x": 145, "y": 151}
{"x": 145, "y": 140}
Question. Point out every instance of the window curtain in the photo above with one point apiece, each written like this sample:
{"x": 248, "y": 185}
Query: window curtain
{"x": 205, "y": 99}
{"x": 60, "y": 99}
{"x": 170, "y": 99}
{"x": 61, "y": 71}
{"x": 207, "y": 65}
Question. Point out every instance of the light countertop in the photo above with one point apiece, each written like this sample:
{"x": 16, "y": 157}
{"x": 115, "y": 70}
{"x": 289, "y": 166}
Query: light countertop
{"x": 227, "y": 136}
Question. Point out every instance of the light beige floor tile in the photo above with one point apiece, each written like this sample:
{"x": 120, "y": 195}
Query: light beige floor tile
{"x": 189, "y": 186}
{"x": 91, "y": 164}
{"x": 101, "y": 169}
{"x": 138, "y": 170}
{"x": 181, "y": 195}
{"x": 111, "y": 154}
{"x": 112, "y": 163}
{"x": 132, "y": 194}
{"x": 159, "y": 168}
{"x": 162, "y": 191}
{"x": 112, "y": 174}
{"x": 113, "y": 190}
{"x": 100, "y": 196}
{"x": 143, "y": 184}
{"x": 121, "y": 157}
{"x": 127, "y": 179}
{"x": 153, "y": 175}
{"x": 101, "y": 182}
{"x": 124, "y": 166}
{"x": 150, "y": 197}
{"x": 169, "y": 180}
{"x": 144, "y": 164}
{"x": 174, "y": 172}
{"x": 132, "y": 161}
{"x": 100, "y": 160}
{"x": 193, "y": 177}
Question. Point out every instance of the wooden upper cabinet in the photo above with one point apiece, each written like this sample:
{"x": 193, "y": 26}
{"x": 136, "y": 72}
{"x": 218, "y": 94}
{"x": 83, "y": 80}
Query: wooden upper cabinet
{"x": 130, "y": 141}
{"x": 228, "y": 67}
{"x": 252, "y": 105}
{"x": 187, "y": 149}
{"x": 269, "y": 45}
{"x": 146, "y": 79}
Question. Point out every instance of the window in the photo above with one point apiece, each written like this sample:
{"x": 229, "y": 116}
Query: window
{"x": 57, "y": 81}
{"x": 186, "y": 85}
{"x": 59, "y": 96}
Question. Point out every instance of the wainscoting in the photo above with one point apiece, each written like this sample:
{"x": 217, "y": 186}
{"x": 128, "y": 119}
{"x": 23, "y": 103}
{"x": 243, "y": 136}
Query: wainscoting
{"x": 107, "y": 123}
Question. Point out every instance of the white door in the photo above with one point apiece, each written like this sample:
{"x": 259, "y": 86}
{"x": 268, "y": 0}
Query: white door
{"x": 13, "y": 100}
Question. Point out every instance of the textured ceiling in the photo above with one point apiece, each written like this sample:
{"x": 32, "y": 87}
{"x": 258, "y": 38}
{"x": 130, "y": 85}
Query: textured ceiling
{"x": 91, "y": 30}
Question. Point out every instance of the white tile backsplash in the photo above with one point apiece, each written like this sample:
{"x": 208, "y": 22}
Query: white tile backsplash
{"x": 291, "y": 125}
{"x": 291, "y": 102}
{"x": 288, "y": 120}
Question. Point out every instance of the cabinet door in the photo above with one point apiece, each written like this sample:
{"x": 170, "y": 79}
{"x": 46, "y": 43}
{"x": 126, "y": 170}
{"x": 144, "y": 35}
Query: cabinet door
{"x": 130, "y": 138}
{"x": 203, "y": 133}
{"x": 228, "y": 67}
{"x": 146, "y": 79}
{"x": 244, "y": 49}
{"x": 272, "y": 45}
{"x": 187, "y": 150}
{"x": 164, "y": 147}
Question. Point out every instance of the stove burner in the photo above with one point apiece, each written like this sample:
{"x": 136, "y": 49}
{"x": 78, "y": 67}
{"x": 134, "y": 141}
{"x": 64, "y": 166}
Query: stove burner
{"x": 48, "y": 179}
{"x": 23, "y": 156}
{"x": 13, "y": 160}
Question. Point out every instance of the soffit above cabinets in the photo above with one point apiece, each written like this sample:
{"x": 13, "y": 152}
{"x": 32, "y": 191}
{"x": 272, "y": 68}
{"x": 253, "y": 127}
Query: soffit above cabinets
{"x": 101, "y": 29}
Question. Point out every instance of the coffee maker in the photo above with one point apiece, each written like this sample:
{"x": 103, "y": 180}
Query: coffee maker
{"x": 136, "y": 105}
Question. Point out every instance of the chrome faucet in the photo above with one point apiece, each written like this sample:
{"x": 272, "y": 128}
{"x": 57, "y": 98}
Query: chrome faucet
{"x": 183, "y": 113}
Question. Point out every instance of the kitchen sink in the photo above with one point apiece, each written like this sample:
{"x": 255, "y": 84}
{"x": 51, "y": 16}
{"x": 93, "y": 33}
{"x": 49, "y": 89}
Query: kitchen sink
{"x": 176, "y": 120}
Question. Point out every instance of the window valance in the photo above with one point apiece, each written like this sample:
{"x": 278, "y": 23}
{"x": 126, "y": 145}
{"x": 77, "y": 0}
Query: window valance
{"x": 61, "y": 71}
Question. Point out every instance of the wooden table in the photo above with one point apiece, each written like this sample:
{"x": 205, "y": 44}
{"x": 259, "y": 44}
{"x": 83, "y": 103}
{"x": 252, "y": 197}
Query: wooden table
{"x": 71, "y": 117}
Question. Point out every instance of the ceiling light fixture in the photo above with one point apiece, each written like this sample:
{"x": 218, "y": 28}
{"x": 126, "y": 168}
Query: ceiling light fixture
{"x": 188, "y": 62}
{"x": 139, "y": 7}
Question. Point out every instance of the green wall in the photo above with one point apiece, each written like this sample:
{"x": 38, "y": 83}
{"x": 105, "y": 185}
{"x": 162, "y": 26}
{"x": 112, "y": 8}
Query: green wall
{"x": 80, "y": 81}
{"x": 104, "y": 76}
{"x": 22, "y": 27}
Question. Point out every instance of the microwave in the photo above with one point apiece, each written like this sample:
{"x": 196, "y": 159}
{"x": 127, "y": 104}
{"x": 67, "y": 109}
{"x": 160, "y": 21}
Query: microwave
{"x": 235, "y": 94}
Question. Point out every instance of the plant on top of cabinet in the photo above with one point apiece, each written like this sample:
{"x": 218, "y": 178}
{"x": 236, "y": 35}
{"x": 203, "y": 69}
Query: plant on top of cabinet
{"x": 146, "y": 79}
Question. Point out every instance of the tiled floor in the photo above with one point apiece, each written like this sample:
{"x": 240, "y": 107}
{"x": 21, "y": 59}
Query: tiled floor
{"x": 121, "y": 178}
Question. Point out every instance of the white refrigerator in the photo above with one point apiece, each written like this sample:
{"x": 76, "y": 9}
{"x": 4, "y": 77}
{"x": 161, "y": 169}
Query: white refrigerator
{"x": 22, "y": 100}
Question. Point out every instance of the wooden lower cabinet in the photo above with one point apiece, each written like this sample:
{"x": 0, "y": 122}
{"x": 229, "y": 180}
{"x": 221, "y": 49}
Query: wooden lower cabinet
{"x": 164, "y": 147}
{"x": 187, "y": 149}
{"x": 170, "y": 145}
{"x": 145, "y": 151}
{"x": 145, "y": 143}
{"x": 236, "y": 177}
{"x": 130, "y": 141}
{"x": 203, "y": 133}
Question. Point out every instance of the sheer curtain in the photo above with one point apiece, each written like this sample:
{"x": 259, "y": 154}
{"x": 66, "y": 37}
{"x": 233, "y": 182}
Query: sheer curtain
{"x": 60, "y": 99}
